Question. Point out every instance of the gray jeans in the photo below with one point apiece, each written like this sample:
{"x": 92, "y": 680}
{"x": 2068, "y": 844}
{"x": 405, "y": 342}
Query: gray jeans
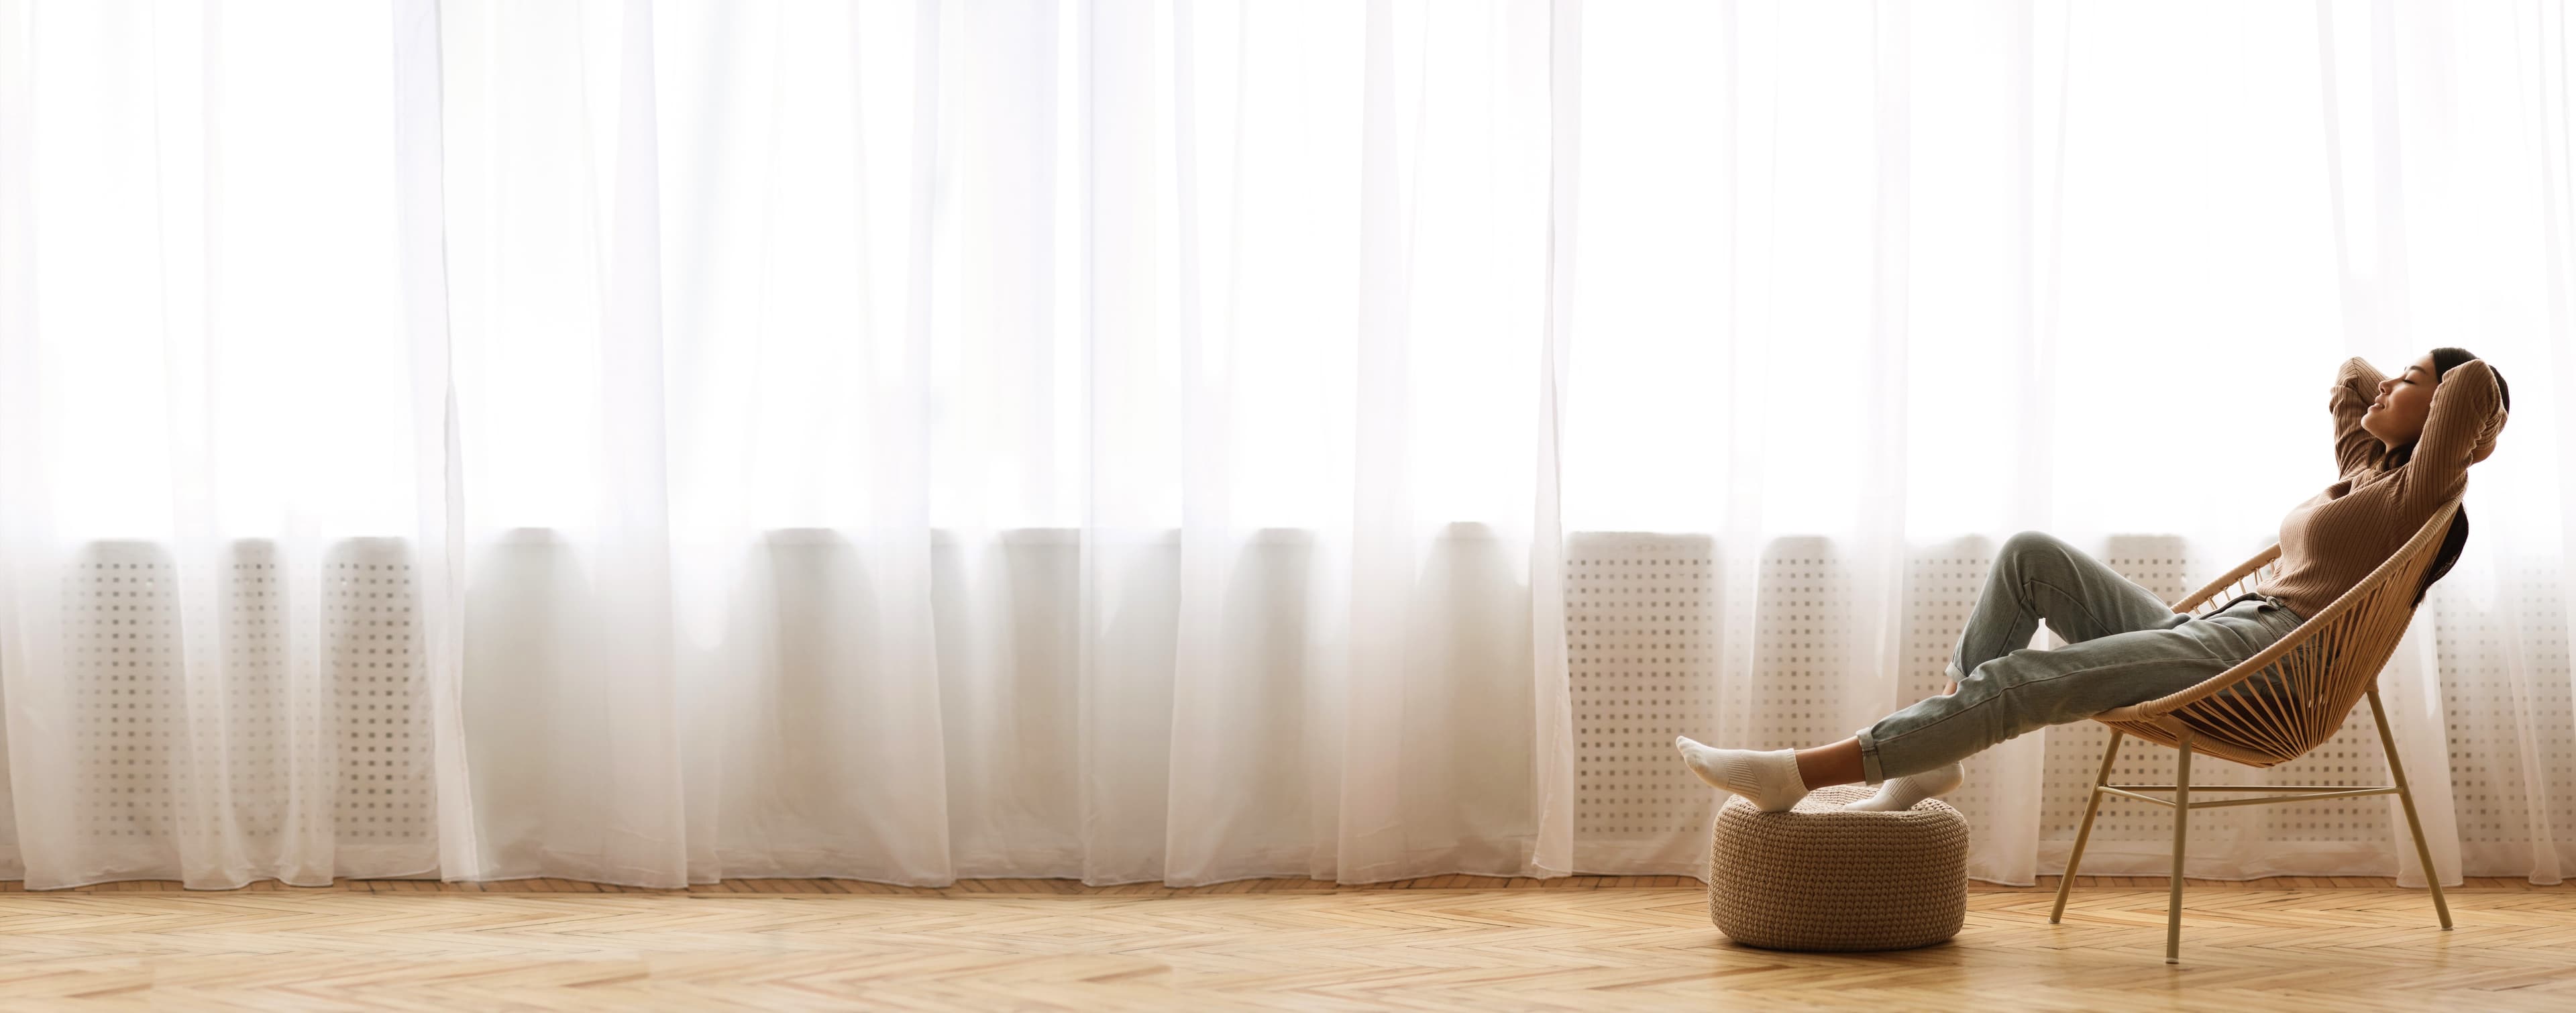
{"x": 2124, "y": 646}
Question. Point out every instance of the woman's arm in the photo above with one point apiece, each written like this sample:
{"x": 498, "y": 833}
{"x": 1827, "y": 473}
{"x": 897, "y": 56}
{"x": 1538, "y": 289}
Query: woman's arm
{"x": 2356, "y": 385}
{"x": 2459, "y": 430}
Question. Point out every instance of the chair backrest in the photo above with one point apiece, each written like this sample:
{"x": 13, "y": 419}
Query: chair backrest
{"x": 2275, "y": 706}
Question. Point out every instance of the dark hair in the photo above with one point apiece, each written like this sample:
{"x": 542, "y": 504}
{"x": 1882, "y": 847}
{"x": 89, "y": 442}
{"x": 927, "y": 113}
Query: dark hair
{"x": 2458, "y": 537}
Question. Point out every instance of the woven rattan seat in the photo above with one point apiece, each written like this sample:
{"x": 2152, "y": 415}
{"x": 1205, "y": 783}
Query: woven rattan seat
{"x": 2315, "y": 676}
{"x": 1817, "y": 877}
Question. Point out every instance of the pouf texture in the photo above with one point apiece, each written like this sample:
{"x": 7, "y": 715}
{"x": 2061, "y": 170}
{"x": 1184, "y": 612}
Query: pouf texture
{"x": 1819, "y": 877}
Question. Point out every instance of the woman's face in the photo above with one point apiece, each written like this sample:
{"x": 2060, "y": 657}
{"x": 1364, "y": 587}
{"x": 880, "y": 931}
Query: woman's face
{"x": 2396, "y": 416}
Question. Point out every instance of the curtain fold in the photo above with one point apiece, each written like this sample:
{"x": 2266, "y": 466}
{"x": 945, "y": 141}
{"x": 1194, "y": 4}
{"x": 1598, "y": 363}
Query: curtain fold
{"x": 654, "y": 441}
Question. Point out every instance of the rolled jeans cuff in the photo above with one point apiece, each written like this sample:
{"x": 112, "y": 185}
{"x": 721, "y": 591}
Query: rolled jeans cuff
{"x": 1869, "y": 743}
{"x": 1868, "y": 757}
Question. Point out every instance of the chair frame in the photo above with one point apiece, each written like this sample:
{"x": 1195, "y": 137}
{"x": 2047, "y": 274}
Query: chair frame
{"x": 2264, "y": 725}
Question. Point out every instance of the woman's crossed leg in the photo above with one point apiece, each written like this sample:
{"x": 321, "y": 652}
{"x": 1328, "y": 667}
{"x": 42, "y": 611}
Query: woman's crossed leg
{"x": 2125, "y": 645}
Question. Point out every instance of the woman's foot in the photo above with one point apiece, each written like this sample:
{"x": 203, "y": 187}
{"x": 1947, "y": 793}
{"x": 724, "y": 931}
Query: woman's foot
{"x": 1898, "y": 794}
{"x": 1769, "y": 780}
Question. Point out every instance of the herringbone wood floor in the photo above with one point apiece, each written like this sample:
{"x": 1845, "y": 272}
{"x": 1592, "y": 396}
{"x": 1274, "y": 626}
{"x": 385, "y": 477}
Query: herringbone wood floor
{"x": 970, "y": 887}
{"x": 1587, "y": 944}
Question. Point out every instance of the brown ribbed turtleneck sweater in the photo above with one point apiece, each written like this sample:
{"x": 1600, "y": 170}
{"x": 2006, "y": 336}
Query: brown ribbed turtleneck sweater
{"x": 2337, "y": 537}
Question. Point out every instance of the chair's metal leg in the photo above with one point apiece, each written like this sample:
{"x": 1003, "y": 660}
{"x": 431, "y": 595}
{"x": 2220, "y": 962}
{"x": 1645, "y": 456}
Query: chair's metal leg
{"x": 2182, "y": 830}
{"x": 2406, "y": 799}
{"x": 2084, "y": 830}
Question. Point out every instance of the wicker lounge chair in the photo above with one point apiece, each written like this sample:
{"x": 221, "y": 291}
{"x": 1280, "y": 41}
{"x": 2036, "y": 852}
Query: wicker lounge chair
{"x": 2275, "y": 706}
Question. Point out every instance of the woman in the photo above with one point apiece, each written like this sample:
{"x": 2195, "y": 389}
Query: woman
{"x": 2404, "y": 445}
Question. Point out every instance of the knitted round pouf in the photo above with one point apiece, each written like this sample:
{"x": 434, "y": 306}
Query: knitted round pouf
{"x": 1819, "y": 877}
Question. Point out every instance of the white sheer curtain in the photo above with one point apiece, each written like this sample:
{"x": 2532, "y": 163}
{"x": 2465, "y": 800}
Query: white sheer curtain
{"x": 658, "y": 441}
{"x": 212, "y": 431}
{"x": 1001, "y": 425}
{"x": 893, "y": 440}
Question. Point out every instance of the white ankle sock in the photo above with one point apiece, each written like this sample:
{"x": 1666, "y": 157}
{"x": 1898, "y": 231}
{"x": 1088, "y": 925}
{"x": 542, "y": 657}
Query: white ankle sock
{"x": 1769, "y": 780}
{"x": 1897, "y": 794}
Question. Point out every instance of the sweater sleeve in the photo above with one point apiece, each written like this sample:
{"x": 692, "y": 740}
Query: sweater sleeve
{"x": 2356, "y": 385}
{"x": 2467, "y": 412}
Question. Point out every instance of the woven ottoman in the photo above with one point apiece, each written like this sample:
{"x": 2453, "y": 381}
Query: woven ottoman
{"x": 1818, "y": 877}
